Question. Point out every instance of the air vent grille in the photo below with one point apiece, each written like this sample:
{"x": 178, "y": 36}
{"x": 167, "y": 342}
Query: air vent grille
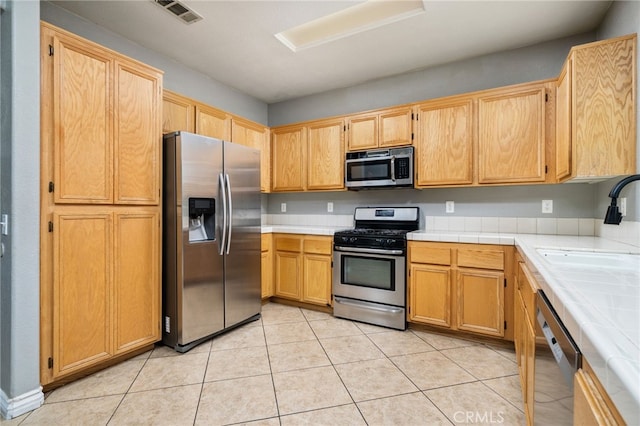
{"x": 179, "y": 10}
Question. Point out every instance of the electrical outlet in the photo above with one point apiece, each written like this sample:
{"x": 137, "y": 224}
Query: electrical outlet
{"x": 623, "y": 206}
{"x": 547, "y": 206}
{"x": 449, "y": 206}
{"x": 283, "y": 207}
{"x": 329, "y": 207}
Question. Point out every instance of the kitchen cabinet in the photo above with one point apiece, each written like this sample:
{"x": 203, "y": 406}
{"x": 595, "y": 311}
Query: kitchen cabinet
{"x": 592, "y": 405}
{"x": 177, "y": 113}
{"x": 254, "y": 135}
{"x": 596, "y": 114}
{"x": 525, "y": 335}
{"x": 308, "y": 157}
{"x": 303, "y": 268}
{"x": 288, "y": 145}
{"x": 380, "y": 129}
{"x": 459, "y": 286}
{"x": 212, "y": 122}
{"x": 186, "y": 114}
{"x": 100, "y": 205}
{"x": 444, "y": 142}
{"x": 511, "y": 135}
{"x": 266, "y": 252}
{"x": 325, "y": 155}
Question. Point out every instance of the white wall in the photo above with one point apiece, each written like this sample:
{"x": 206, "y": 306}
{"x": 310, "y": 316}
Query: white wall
{"x": 20, "y": 164}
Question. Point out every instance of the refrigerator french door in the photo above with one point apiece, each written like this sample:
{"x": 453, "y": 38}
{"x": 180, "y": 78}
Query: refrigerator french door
{"x": 211, "y": 253}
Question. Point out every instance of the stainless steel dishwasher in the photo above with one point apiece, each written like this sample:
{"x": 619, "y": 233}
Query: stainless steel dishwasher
{"x": 555, "y": 365}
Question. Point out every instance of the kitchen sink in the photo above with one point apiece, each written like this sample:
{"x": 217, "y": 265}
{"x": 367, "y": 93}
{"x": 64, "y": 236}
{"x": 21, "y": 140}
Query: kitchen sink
{"x": 591, "y": 259}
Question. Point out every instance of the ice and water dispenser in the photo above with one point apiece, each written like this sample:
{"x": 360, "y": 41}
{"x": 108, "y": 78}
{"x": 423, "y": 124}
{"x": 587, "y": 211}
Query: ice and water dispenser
{"x": 202, "y": 219}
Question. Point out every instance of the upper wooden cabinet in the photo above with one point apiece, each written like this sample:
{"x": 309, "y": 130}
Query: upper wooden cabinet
{"x": 288, "y": 145}
{"x": 596, "y": 113}
{"x": 181, "y": 113}
{"x": 212, "y": 122}
{"x": 379, "y": 129}
{"x": 116, "y": 159}
{"x": 256, "y": 136}
{"x": 177, "y": 113}
{"x": 325, "y": 155}
{"x": 308, "y": 157}
{"x": 511, "y": 136}
{"x": 444, "y": 143}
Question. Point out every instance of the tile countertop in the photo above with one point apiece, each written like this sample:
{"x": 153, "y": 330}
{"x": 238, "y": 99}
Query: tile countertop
{"x": 599, "y": 306}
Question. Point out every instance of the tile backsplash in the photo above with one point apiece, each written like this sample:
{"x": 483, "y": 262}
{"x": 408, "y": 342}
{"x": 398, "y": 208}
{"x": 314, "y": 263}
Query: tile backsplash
{"x": 627, "y": 232}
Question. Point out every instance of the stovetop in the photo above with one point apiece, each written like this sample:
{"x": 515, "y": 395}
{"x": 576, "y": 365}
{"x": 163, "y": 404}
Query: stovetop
{"x": 377, "y": 227}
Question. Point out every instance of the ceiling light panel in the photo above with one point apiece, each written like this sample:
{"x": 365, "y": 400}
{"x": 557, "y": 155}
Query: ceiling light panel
{"x": 350, "y": 21}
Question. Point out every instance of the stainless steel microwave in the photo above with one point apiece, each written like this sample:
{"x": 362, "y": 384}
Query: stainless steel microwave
{"x": 381, "y": 168}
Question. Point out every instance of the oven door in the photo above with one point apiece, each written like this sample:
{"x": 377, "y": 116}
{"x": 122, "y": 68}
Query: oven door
{"x": 372, "y": 275}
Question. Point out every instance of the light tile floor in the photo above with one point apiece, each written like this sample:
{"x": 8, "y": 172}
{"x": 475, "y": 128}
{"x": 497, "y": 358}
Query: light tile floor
{"x": 294, "y": 367}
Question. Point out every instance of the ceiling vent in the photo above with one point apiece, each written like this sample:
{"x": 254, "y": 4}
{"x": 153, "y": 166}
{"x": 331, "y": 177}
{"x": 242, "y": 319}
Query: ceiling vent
{"x": 179, "y": 10}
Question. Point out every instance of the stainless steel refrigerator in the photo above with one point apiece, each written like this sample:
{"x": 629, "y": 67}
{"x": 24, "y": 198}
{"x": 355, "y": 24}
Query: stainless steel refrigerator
{"x": 211, "y": 238}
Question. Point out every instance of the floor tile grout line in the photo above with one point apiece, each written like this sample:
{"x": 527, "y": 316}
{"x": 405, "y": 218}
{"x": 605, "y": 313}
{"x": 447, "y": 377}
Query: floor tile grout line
{"x": 273, "y": 381}
{"x": 204, "y": 376}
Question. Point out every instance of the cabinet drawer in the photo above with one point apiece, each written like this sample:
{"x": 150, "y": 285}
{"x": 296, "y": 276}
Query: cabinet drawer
{"x": 432, "y": 255}
{"x": 288, "y": 244}
{"x": 483, "y": 259}
{"x": 318, "y": 246}
{"x": 527, "y": 290}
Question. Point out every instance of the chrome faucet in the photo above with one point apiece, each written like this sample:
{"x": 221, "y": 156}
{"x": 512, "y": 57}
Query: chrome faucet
{"x": 613, "y": 216}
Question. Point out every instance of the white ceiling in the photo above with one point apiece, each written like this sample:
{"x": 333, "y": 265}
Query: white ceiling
{"x": 235, "y": 42}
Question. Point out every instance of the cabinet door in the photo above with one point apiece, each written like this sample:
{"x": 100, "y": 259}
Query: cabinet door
{"x": 444, "y": 147}
{"x": 480, "y": 302}
{"x": 136, "y": 279}
{"x": 81, "y": 290}
{"x": 394, "y": 127}
{"x": 287, "y": 156}
{"x": 137, "y": 135}
{"x": 317, "y": 279}
{"x": 288, "y": 274}
{"x": 362, "y": 132}
{"x": 212, "y": 122}
{"x": 325, "y": 155}
{"x": 511, "y": 137}
{"x": 82, "y": 94}
{"x": 177, "y": 113}
{"x": 564, "y": 149}
{"x": 604, "y": 108}
{"x": 267, "y": 266}
{"x": 255, "y": 136}
{"x": 430, "y": 294}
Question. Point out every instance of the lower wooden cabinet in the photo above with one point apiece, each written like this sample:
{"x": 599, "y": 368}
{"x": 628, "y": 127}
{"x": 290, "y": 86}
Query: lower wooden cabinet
{"x": 459, "y": 286}
{"x": 302, "y": 268}
{"x": 104, "y": 298}
{"x": 525, "y": 335}
{"x": 591, "y": 404}
{"x": 267, "y": 265}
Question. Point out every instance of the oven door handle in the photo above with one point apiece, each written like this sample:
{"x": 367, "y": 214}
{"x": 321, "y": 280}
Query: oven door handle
{"x": 369, "y": 306}
{"x": 369, "y": 250}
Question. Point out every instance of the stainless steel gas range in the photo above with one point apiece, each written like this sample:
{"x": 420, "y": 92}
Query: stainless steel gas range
{"x": 369, "y": 274}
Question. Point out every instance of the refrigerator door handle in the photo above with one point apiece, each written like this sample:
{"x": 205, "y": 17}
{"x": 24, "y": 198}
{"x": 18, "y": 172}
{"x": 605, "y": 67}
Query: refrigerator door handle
{"x": 229, "y": 211}
{"x": 223, "y": 241}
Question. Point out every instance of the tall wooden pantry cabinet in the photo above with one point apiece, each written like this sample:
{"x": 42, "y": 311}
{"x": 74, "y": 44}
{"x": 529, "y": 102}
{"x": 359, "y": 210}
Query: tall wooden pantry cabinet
{"x": 100, "y": 205}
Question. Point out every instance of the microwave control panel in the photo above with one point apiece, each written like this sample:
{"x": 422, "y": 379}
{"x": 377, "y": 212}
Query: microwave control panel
{"x": 402, "y": 168}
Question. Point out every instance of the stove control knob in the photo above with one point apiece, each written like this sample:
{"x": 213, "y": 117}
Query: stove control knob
{"x": 353, "y": 239}
{"x": 344, "y": 239}
{"x": 389, "y": 242}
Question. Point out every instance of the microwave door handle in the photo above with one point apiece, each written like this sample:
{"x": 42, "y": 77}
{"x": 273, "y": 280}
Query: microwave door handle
{"x": 393, "y": 168}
